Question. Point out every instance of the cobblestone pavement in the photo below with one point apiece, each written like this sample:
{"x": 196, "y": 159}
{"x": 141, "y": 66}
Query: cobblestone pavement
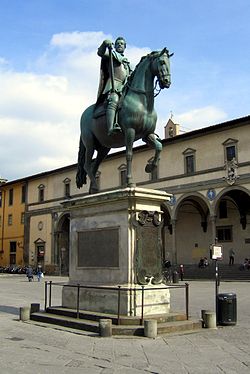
{"x": 31, "y": 348}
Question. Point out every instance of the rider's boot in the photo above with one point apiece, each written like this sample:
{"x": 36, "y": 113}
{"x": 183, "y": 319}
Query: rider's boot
{"x": 113, "y": 127}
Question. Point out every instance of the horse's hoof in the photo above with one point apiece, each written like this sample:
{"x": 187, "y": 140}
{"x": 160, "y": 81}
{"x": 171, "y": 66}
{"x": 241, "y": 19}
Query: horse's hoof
{"x": 131, "y": 185}
{"x": 92, "y": 191}
{"x": 149, "y": 168}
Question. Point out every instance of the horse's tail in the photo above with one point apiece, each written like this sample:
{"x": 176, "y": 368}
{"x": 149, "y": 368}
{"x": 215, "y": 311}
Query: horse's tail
{"x": 81, "y": 175}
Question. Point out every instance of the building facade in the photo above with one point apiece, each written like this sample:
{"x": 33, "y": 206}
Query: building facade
{"x": 207, "y": 171}
{"x": 12, "y": 217}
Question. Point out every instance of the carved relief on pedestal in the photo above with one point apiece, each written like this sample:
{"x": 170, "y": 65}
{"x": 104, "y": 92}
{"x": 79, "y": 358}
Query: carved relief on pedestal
{"x": 149, "y": 247}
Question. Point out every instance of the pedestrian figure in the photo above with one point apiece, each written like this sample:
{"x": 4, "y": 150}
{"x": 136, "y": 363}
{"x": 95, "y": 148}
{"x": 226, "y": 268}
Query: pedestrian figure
{"x": 39, "y": 273}
{"x": 29, "y": 273}
{"x": 181, "y": 272}
{"x": 231, "y": 256}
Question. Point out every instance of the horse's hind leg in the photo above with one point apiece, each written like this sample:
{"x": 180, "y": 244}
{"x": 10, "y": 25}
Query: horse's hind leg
{"x": 153, "y": 140}
{"x": 88, "y": 165}
{"x": 101, "y": 154}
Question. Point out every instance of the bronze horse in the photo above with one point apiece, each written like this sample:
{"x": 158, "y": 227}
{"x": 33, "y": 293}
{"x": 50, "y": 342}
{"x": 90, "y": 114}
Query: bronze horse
{"x": 136, "y": 117}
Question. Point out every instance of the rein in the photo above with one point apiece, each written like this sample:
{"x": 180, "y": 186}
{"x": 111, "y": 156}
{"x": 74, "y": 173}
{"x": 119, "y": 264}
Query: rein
{"x": 144, "y": 92}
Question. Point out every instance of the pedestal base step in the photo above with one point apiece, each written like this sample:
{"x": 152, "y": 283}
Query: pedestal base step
{"x": 89, "y": 321}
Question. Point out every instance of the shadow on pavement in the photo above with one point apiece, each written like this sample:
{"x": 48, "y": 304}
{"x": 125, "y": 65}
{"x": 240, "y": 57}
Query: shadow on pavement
{"x": 9, "y": 309}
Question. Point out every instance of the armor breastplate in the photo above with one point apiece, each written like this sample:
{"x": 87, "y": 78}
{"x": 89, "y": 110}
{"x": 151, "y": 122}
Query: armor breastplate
{"x": 121, "y": 72}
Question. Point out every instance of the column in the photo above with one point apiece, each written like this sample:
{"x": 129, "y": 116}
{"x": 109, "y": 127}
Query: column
{"x": 174, "y": 249}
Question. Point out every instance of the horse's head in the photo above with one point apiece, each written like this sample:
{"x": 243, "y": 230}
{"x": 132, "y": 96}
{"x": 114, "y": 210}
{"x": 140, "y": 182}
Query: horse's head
{"x": 161, "y": 68}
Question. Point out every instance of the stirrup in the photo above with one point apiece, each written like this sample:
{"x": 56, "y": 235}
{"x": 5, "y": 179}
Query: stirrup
{"x": 115, "y": 129}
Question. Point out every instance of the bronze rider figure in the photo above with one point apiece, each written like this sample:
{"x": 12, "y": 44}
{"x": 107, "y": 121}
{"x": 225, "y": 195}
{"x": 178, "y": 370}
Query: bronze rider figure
{"x": 115, "y": 69}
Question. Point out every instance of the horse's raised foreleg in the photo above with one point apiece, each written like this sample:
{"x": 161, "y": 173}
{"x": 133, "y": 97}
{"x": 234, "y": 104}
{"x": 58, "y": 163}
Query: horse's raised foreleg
{"x": 153, "y": 140}
{"x": 129, "y": 139}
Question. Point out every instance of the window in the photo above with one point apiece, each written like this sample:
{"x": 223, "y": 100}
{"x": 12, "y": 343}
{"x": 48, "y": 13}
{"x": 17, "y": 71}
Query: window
{"x": 224, "y": 233}
{"x": 189, "y": 164}
{"x": 189, "y": 161}
{"x": 123, "y": 178}
{"x": 11, "y": 196}
{"x": 230, "y": 149}
{"x": 230, "y": 152}
{"x": 12, "y": 247}
{"x": 41, "y": 193}
{"x": 67, "y": 190}
{"x": 123, "y": 175}
{"x": 67, "y": 187}
{"x": 98, "y": 179}
{"x": 154, "y": 173}
{"x": 23, "y": 197}
{"x": 223, "y": 209}
{"x": 22, "y": 218}
{"x": 40, "y": 251}
{"x": 12, "y": 253}
{"x": 10, "y": 219}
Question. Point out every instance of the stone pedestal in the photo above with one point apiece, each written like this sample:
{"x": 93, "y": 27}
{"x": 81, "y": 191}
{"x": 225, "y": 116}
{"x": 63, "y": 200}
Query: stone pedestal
{"x": 115, "y": 240}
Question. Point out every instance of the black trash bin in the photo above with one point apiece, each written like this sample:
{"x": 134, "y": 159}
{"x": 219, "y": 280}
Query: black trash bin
{"x": 175, "y": 277}
{"x": 227, "y": 309}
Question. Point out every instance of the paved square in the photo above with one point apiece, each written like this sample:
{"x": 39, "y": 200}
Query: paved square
{"x": 29, "y": 348}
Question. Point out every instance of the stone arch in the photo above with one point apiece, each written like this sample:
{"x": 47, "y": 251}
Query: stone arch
{"x": 191, "y": 228}
{"x": 233, "y": 228}
{"x": 199, "y": 202}
{"x": 240, "y": 198}
{"x": 62, "y": 230}
{"x": 166, "y": 232}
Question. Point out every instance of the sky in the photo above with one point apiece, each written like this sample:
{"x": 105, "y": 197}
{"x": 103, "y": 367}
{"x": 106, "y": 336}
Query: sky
{"x": 49, "y": 69}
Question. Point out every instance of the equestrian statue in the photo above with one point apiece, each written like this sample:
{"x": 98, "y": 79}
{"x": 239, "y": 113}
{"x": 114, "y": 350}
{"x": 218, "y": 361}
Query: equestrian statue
{"x": 124, "y": 110}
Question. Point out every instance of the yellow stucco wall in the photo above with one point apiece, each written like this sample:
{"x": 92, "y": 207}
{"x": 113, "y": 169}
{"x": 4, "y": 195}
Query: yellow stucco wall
{"x": 15, "y": 231}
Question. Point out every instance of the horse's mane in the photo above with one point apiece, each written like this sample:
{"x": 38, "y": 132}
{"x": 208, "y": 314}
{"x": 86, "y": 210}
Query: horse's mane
{"x": 149, "y": 55}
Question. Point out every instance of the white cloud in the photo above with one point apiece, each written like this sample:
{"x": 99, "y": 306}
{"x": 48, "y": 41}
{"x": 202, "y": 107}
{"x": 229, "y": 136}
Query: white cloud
{"x": 200, "y": 117}
{"x": 40, "y": 109}
{"x": 3, "y": 62}
{"x": 76, "y": 39}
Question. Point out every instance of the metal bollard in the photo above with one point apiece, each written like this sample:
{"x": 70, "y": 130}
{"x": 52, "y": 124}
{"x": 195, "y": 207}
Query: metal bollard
{"x": 34, "y": 308}
{"x": 210, "y": 320}
{"x": 203, "y": 311}
{"x": 105, "y": 327}
{"x": 24, "y": 313}
{"x": 150, "y": 328}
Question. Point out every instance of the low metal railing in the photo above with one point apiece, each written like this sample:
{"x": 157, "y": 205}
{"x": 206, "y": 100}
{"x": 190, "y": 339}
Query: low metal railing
{"x": 119, "y": 289}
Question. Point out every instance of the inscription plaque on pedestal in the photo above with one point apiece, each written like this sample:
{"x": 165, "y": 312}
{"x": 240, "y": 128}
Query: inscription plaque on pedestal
{"x": 98, "y": 248}
{"x": 149, "y": 248}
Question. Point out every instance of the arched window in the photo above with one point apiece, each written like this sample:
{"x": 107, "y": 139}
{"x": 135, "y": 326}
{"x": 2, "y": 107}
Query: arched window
{"x": 123, "y": 175}
{"x": 189, "y": 161}
{"x": 67, "y": 182}
{"x": 41, "y": 189}
{"x": 153, "y": 176}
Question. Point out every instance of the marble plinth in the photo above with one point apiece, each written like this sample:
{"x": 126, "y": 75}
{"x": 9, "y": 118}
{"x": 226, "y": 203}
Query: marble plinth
{"x": 115, "y": 239}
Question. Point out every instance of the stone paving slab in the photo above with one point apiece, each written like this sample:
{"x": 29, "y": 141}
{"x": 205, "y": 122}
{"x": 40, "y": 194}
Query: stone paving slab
{"x": 31, "y": 348}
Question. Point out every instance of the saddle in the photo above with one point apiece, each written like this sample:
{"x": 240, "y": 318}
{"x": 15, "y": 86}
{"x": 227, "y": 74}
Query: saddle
{"x": 100, "y": 109}
{"x": 101, "y": 105}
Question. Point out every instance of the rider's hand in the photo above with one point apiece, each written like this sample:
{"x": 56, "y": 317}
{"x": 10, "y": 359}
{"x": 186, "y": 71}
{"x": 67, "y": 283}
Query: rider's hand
{"x": 108, "y": 43}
